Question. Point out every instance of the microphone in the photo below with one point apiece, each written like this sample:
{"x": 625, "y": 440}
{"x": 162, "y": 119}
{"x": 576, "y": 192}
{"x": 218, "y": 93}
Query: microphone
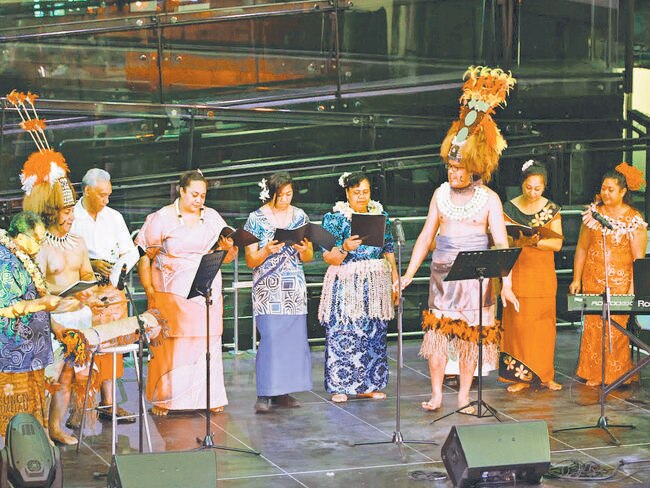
{"x": 120, "y": 281}
{"x": 399, "y": 231}
{"x": 602, "y": 220}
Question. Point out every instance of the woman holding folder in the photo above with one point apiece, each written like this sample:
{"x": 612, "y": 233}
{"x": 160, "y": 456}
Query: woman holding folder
{"x": 356, "y": 302}
{"x": 175, "y": 239}
{"x": 283, "y": 361}
{"x": 528, "y": 342}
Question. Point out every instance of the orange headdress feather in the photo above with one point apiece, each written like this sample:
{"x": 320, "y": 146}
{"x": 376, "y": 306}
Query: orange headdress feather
{"x": 44, "y": 175}
{"x": 633, "y": 176}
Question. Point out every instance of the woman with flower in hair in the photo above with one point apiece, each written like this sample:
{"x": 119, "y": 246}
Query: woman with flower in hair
{"x": 356, "y": 302}
{"x": 175, "y": 239}
{"x": 528, "y": 341}
{"x": 625, "y": 242}
{"x": 283, "y": 361}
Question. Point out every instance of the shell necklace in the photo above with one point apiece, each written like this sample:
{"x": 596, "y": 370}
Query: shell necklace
{"x": 461, "y": 212}
{"x": 68, "y": 241}
{"x": 180, "y": 215}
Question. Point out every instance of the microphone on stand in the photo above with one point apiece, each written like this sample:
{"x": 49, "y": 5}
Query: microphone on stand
{"x": 399, "y": 231}
{"x": 602, "y": 220}
{"x": 120, "y": 281}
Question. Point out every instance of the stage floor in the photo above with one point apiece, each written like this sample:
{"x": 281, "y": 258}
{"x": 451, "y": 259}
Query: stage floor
{"x": 312, "y": 446}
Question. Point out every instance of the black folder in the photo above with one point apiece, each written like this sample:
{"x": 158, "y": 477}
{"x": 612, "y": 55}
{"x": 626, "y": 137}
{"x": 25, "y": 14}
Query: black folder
{"x": 544, "y": 232}
{"x": 370, "y": 228}
{"x": 314, "y": 232}
{"x": 240, "y": 237}
{"x": 76, "y": 288}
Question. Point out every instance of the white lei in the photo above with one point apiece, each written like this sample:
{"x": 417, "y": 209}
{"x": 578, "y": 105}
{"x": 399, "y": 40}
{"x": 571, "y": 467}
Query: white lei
{"x": 344, "y": 208}
{"x": 456, "y": 212}
{"x": 621, "y": 227}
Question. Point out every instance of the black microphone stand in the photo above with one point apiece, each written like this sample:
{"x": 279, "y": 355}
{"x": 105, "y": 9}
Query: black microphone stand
{"x": 606, "y": 332}
{"x": 398, "y": 439}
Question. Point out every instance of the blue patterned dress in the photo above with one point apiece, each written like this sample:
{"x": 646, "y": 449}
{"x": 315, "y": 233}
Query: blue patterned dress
{"x": 25, "y": 346}
{"x": 283, "y": 362}
{"x": 25, "y": 343}
{"x": 355, "y": 308}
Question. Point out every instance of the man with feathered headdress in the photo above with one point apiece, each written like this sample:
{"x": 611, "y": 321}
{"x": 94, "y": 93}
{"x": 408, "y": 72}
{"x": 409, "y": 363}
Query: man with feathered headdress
{"x": 63, "y": 260}
{"x": 460, "y": 213}
{"x": 63, "y": 257}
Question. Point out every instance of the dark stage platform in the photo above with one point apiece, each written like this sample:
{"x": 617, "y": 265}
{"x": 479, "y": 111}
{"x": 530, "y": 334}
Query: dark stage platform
{"x": 312, "y": 446}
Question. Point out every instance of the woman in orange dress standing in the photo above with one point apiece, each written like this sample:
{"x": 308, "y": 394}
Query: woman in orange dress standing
{"x": 626, "y": 241}
{"x": 528, "y": 343}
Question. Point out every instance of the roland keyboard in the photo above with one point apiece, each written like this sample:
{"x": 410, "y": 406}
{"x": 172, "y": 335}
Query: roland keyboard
{"x": 593, "y": 304}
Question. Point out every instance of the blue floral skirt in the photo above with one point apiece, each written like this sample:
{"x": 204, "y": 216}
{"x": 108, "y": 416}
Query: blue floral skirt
{"x": 355, "y": 357}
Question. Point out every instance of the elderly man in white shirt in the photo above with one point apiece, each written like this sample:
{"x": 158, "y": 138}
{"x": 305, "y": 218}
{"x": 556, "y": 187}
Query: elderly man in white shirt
{"x": 107, "y": 238}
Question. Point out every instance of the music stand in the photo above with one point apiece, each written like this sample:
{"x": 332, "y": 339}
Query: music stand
{"x": 489, "y": 263}
{"x": 202, "y": 286}
{"x": 606, "y": 332}
{"x": 397, "y": 438}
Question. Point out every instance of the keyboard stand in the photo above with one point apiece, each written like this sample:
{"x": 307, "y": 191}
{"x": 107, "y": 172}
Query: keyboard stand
{"x": 639, "y": 365}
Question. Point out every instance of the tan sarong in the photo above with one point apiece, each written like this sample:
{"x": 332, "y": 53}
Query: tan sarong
{"x": 22, "y": 393}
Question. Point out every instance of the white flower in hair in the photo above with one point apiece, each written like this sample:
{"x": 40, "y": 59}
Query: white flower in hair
{"x": 264, "y": 194}
{"x": 527, "y": 165}
{"x": 342, "y": 179}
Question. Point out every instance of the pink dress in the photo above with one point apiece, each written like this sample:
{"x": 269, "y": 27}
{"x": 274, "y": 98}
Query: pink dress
{"x": 176, "y": 373}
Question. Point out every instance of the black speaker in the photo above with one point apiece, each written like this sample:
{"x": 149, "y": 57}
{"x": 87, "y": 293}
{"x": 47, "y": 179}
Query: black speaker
{"x": 484, "y": 452}
{"x": 195, "y": 469}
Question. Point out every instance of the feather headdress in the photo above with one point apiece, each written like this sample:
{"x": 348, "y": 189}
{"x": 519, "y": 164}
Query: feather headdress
{"x": 474, "y": 139}
{"x": 44, "y": 177}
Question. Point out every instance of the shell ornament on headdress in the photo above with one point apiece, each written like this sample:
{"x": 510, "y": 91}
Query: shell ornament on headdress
{"x": 44, "y": 175}
{"x": 474, "y": 139}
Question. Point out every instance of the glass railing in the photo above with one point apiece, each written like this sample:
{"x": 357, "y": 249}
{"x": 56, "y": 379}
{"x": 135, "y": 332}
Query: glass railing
{"x": 145, "y": 147}
{"x": 321, "y": 55}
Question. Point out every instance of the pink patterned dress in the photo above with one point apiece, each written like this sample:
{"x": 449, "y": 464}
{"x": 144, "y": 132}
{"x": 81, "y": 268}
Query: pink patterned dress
{"x": 176, "y": 374}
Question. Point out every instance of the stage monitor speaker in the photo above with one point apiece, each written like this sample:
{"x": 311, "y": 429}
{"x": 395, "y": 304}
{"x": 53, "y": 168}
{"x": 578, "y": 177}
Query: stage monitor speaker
{"x": 486, "y": 452}
{"x": 194, "y": 469}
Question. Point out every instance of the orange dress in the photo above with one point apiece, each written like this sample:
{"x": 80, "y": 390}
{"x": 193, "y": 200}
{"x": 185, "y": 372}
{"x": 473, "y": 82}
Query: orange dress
{"x": 528, "y": 341}
{"x": 619, "y": 360}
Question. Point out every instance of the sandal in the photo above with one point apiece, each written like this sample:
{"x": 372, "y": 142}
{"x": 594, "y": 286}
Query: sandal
{"x": 339, "y": 398}
{"x": 374, "y": 395}
{"x": 217, "y": 409}
{"x": 123, "y": 416}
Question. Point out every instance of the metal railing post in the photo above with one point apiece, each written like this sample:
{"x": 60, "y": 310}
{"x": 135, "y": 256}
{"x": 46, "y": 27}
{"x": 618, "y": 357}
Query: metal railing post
{"x": 235, "y": 316}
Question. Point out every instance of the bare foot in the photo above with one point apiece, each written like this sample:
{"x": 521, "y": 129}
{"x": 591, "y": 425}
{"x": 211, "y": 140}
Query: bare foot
{"x": 464, "y": 402}
{"x": 339, "y": 398}
{"x": 375, "y": 395}
{"x": 515, "y": 387}
{"x": 469, "y": 410}
{"x": 552, "y": 385}
{"x": 63, "y": 438}
{"x": 431, "y": 405}
{"x": 159, "y": 411}
{"x": 593, "y": 383}
{"x": 215, "y": 409}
